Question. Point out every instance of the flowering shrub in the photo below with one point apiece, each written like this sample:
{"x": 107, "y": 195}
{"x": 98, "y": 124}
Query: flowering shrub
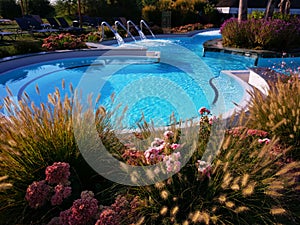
{"x": 93, "y": 37}
{"x": 271, "y": 34}
{"x": 39, "y": 193}
{"x": 160, "y": 150}
{"x": 124, "y": 210}
{"x": 279, "y": 112}
{"x": 82, "y": 212}
{"x": 58, "y": 173}
{"x": 63, "y": 41}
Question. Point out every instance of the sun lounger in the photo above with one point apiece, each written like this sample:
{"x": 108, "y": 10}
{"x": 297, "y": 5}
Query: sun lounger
{"x": 31, "y": 26}
{"x": 66, "y": 27}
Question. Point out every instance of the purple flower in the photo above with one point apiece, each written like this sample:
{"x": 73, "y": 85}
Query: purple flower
{"x": 61, "y": 192}
{"x": 82, "y": 211}
{"x": 168, "y": 134}
{"x": 37, "y": 194}
{"x": 58, "y": 173}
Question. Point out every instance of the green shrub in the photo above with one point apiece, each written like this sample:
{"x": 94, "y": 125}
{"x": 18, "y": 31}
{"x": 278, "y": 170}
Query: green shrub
{"x": 20, "y": 47}
{"x": 279, "y": 112}
{"x": 25, "y": 47}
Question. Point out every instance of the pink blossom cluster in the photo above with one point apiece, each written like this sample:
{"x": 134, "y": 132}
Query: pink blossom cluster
{"x": 160, "y": 148}
{"x": 168, "y": 134}
{"x": 108, "y": 217}
{"x": 60, "y": 193}
{"x": 39, "y": 192}
{"x": 204, "y": 168}
{"x": 239, "y": 131}
{"x": 264, "y": 140}
{"x": 257, "y": 133}
{"x": 63, "y": 41}
{"x": 212, "y": 120}
{"x": 82, "y": 212}
{"x": 153, "y": 155}
{"x": 134, "y": 157}
{"x": 204, "y": 110}
{"x": 172, "y": 162}
{"x": 123, "y": 209}
{"x": 58, "y": 173}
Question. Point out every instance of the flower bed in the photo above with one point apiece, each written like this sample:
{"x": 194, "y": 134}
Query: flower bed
{"x": 272, "y": 34}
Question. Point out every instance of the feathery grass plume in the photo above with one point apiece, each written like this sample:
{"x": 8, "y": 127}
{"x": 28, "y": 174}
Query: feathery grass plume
{"x": 3, "y": 185}
{"x": 32, "y": 138}
{"x": 278, "y": 112}
{"x": 239, "y": 190}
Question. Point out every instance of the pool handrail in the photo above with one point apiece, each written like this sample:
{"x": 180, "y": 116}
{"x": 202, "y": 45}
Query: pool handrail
{"x": 117, "y": 35}
{"x": 146, "y": 25}
{"x": 118, "y": 23}
{"x": 141, "y": 34}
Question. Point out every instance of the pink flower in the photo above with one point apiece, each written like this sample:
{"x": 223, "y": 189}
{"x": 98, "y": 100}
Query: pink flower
{"x": 108, "y": 217}
{"x": 204, "y": 168}
{"x": 265, "y": 140}
{"x": 168, "y": 134}
{"x": 203, "y": 110}
{"x": 157, "y": 142}
{"x": 61, "y": 192}
{"x": 152, "y": 155}
{"x": 82, "y": 211}
{"x": 58, "y": 173}
{"x": 37, "y": 194}
{"x": 172, "y": 162}
{"x": 174, "y": 146}
{"x": 212, "y": 120}
{"x": 257, "y": 133}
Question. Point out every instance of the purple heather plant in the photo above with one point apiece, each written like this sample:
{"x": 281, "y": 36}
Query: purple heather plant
{"x": 271, "y": 34}
{"x": 58, "y": 173}
{"x": 82, "y": 212}
{"x": 39, "y": 192}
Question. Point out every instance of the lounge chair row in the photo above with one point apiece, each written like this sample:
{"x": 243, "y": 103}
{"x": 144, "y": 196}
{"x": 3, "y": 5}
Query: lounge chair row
{"x": 33, "y": 24}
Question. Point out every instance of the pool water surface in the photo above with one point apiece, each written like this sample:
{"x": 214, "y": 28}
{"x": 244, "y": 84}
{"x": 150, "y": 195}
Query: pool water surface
{"x": 181, "y": 83}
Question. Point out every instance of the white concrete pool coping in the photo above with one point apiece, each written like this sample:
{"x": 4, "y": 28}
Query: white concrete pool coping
{"x": 251, "y": 78}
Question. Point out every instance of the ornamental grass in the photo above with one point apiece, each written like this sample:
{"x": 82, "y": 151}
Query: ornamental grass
{"x": 279, "y": 112}
{"x": 247, "y": 175}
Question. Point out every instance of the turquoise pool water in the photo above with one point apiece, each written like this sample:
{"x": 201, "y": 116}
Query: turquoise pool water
{"x": 181, "y": 83}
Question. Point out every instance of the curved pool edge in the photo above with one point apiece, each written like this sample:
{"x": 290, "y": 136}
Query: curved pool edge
{"x": 25, "y": 60}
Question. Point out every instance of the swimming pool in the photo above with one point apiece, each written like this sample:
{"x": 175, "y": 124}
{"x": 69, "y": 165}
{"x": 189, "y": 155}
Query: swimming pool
{"x": 181, "y": 83}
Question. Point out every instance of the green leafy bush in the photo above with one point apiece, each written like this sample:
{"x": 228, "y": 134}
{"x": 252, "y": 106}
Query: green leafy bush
{"x": 20, "y": 47}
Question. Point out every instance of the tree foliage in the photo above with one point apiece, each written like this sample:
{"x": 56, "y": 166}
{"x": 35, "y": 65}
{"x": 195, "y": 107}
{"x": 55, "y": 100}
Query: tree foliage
{"x": 9, "y": 9}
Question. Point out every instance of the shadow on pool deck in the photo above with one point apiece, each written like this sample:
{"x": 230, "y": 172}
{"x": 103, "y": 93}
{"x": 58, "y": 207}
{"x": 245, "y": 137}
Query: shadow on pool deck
{"x": 216, "y": 45}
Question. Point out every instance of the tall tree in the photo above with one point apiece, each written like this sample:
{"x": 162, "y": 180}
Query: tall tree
{"x": 270, "y": 9}
{"x": 243, "y": 10}
{"x": 40, "y": 7}
{"x": 9, "y": 9}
